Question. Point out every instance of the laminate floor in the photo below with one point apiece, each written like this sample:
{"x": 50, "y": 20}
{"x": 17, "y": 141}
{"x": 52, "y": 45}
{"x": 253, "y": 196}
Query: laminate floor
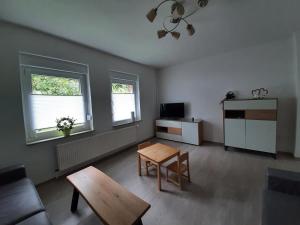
{"x": 226, "y": 188}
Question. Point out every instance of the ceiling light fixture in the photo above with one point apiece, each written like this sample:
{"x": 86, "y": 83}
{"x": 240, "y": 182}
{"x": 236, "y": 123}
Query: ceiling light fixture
{"x": 177, "y": 15}
{"x": 190, "y": 29}
{"x": 175, "y": 35}
{"x": 161, "y": 33}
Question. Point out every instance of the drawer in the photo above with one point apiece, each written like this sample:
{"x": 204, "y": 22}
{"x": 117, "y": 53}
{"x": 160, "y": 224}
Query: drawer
{"x": 172, "y": 137}
{"x": 270, "y": 104}
{"x": 261, "y": 115}
{"x": 168, "y": 123}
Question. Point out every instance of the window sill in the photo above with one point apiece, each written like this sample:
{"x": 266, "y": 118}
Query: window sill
{"x": 126, "y": 123}
{"x": 59, "y": 137}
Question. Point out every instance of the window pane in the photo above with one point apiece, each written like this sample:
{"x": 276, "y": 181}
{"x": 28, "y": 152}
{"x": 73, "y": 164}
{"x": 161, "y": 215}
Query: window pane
{"x": 123, "y": 105}
{"x": 118, "y": 88}
{"x": 58, "y": 86}
{"x": 46, "y": 109}
{"x": 50, "y": 93}
{"x": 55, "y": 97}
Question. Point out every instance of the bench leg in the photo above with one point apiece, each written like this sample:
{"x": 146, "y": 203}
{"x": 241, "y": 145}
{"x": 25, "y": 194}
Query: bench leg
{"x": 74, "y": 200}
{"x": 139, "y": 222}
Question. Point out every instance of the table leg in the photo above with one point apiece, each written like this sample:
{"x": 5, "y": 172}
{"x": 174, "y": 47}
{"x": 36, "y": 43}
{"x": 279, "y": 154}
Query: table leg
{"x": 158, "y": 178}
{"x": 139, "y": 222}
{"x": 139, "y": 164}
{"x": 179, "y": 171}
{"x": 75, "y": 200}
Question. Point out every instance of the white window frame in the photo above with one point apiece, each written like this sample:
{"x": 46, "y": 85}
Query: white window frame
{"x": 131, "y": 79}
{"x": 26, "y": 70}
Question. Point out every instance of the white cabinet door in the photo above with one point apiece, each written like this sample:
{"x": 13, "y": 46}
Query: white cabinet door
{"x": 190, "y": 133}
{"x": 261, "y": 135}
{"x": 235, "y": 132}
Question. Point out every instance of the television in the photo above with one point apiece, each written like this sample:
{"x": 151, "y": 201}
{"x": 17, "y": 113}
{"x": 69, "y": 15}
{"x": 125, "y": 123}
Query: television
{"x": 172, "y": 110}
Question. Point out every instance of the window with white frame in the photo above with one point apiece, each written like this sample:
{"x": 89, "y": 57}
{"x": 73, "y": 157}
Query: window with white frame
{"x": 125, "y": 98}
{"x": 52, "y": 89}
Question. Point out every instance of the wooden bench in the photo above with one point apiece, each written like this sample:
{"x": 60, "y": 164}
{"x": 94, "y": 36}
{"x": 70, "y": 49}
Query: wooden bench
{"x": 111, "y": 202}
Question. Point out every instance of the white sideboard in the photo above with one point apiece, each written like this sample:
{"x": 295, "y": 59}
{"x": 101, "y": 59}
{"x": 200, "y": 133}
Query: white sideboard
{"x": 251, "y": 124}
{"x": 180, "y": 130}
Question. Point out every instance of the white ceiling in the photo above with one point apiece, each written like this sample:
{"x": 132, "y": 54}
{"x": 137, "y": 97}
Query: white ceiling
{"x": 121, "y": 28}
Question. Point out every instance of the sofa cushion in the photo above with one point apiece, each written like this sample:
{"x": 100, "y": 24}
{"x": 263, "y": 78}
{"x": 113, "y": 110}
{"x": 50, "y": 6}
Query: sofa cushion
{"x": 37, "y": 219}
{"x": 280, "y": 208}
{"x": 283, "y": 181}
{"x": 18, "y": 201}
{"x": 12, "y": 173}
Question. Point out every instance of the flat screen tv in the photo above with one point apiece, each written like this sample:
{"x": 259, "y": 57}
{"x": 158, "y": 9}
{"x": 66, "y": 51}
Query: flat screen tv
{"x": 172, "y": 110}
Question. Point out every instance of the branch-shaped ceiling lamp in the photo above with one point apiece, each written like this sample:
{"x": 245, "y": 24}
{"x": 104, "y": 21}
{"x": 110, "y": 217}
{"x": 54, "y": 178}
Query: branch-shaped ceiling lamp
{"x": 177, "y": 16}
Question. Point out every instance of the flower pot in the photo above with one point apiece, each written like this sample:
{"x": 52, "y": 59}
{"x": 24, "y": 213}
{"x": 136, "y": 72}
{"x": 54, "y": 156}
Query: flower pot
{"x": 66, "y": 132}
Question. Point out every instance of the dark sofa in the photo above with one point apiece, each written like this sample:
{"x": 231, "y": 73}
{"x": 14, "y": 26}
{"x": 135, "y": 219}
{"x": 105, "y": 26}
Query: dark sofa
{"x": 19, "y": 201}
{"x": 281, "y": 200}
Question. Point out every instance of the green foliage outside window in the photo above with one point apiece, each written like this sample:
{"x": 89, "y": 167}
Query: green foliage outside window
{"x": 57, "y": 86}
{"x": 122, "y": 88}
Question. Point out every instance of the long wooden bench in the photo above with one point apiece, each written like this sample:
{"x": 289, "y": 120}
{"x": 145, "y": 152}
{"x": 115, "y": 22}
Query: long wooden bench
{"x": 112, "y": 203}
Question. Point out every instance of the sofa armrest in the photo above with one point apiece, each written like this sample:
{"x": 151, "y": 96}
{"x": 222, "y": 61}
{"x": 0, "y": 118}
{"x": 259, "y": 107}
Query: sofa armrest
{"x": 12, "y": 173}
{"x": 287, "y": 182}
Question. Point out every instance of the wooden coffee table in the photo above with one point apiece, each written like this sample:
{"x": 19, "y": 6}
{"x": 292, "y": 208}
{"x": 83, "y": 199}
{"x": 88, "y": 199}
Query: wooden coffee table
{"x": 158, "y": 154}
{"x": 112, "y": 203}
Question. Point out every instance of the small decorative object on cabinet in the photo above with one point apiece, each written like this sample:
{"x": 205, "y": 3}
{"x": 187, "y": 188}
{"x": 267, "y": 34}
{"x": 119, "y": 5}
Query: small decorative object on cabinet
{"x": 65, "y": 124}
{"x": 229, "y": 95}
{"x": 255, "y": 93}
{"x": 260, "y": 93}
{"x": 263, "y": 93}
{"x": 251, "y": 124}
{"x": 184, "y": 130}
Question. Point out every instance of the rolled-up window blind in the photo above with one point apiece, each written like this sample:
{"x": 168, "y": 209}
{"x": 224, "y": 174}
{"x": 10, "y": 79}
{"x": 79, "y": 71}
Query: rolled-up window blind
{"x": 123, "y": 105}
{"x": 46, "y": 109}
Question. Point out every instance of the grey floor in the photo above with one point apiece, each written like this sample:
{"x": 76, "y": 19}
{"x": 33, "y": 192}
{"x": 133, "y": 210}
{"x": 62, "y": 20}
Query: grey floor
{"x": 226, "y": 189}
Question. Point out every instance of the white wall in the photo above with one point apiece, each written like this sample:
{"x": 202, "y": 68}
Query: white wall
{"x": 202, "y": 84}
{"x": 40, "y": 159}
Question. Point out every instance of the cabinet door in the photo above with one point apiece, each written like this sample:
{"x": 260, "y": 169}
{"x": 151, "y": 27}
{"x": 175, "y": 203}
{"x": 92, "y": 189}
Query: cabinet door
{"x": 190, "y": 133}
{"x": 235, "y": 132}
{"x": 261, "y": 135}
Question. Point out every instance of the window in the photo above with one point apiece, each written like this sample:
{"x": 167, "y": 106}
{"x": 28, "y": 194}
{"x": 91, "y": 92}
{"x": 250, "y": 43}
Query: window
{"x": 50, "y": 93}
{"x": 125, "y": 98}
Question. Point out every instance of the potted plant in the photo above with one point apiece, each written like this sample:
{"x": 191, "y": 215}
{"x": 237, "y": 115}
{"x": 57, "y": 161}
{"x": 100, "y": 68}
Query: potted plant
{"x": 65, "y": 124}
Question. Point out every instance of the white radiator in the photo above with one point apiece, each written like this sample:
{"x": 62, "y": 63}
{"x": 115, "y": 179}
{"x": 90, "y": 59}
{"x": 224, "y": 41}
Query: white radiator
{"x": 74, "y": 153}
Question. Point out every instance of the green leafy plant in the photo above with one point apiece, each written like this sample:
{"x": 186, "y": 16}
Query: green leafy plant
{"x": 65, "y": 124}
{"x": 122, "y": 88}
{"x": 57, "y": 86}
